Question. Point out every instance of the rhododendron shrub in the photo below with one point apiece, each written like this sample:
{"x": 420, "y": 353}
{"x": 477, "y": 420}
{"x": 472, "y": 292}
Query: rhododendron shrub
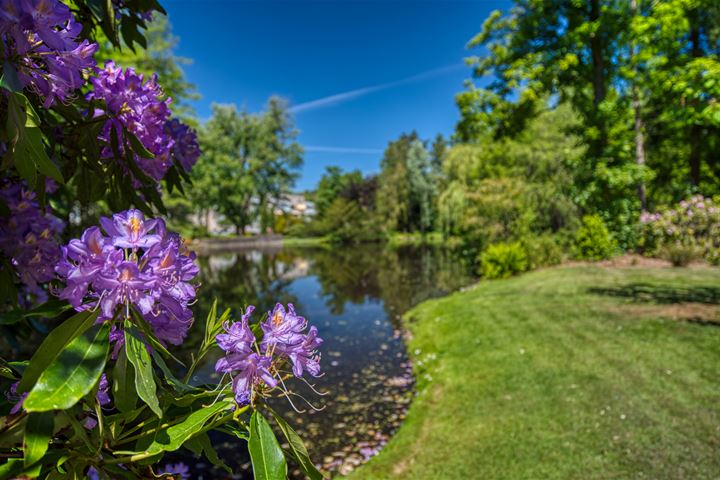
{"x": 692, "y": 224}
{"x": 102, "y": 395}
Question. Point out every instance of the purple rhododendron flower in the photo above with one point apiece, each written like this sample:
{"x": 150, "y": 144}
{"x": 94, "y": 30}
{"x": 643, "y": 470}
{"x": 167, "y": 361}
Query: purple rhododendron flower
{"x": 186, "y": 149}
{"x": 103, "y": 394}
{"x": 248, "y": 370}
{"x": 40, "y": 37}
{"x": 252, "y": 364}
{"x": 304, "y": 355}
{"x": 239, "y": 338}
{"x": 130, "y": 230}
{"x": 283, "y": 327}
{"x": 135, "y": 104}
{"x": 17, "y": 398}
{"x": 27, "y": 238}
{"x": 139, "y": 264}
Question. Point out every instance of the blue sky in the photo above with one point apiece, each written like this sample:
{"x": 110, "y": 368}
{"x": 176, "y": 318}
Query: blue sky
{"x": 357, "y": 73}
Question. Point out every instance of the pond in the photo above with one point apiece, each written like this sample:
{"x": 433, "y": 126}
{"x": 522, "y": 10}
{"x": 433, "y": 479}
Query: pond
{"x": 355, "y": 296}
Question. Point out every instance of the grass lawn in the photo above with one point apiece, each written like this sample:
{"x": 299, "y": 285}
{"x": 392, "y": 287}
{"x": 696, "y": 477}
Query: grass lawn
{"x": 576, "y": 372}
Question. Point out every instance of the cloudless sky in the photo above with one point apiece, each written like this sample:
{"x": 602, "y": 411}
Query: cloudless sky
{"x": 357, "y": 73}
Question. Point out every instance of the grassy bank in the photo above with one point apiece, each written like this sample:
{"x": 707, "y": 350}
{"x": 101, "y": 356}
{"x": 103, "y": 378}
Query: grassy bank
{"x": 305, "y": 241}
{"x": 570, "y": 372}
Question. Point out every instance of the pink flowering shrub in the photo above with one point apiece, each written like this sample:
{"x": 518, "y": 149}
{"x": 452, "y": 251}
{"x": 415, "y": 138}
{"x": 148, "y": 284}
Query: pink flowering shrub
{"x": 691, "y": 225}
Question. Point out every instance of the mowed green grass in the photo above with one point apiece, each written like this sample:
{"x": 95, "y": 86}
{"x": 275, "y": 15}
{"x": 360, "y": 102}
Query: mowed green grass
{"x": 576, "y": 372}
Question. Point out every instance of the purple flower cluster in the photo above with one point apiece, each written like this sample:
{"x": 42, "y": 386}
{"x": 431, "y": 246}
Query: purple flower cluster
{"x": 27, "y": 237}
{"x": 139, "y": 264}
{"x": 39, "y": 38}
{"x": 186, "y": 149}
{"x": 132, "y": 103}
{"x": 137, "y": 105}
{"x": 252, "y": 364}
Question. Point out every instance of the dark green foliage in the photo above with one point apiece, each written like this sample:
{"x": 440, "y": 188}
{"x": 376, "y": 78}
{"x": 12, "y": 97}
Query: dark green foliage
{"x": 506, "y": 189}
{"x": 593, "y": 240}
{"x": 502, "y": 260}
{"x": 406, "y": 188}
{"x": 641, "y": 77}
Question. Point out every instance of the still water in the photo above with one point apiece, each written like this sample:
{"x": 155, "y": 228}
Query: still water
{"x": 355, "y": 297}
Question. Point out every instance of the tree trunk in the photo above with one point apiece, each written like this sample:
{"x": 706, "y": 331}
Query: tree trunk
{"x": 639, "y": 124}
{"x": 598, "y": 63}
{"x": 695, "y": 130}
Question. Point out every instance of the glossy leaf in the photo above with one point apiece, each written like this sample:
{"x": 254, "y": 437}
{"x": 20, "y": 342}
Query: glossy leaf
{"x": 49, "y": 309}
{"x": 297, "y": 447}
{"x": 73, "y": 373}
{"x": 201, "y": 444}
{"x": 173, "y": 437}
{"x": 138, "y": 355}
{"x": 38, "y": 430}
{"x": 10, "y": 80}
{"x": 53, "y": 344}
{"x": 267, "y": 457}
{"x": 123, "y": 388}
{"x": 137, "y": 145}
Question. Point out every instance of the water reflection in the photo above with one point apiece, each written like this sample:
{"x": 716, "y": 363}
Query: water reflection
{"x": 355, "y": 297}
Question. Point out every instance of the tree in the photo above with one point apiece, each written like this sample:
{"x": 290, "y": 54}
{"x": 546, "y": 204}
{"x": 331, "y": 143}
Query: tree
{"x": 505, "y": 189}
{"x": 568, "y": 52}
{"x": 642, "y": 77}
{"x": 248, "y": 162}
{"x": 331, "y": 185}
{"x": 406, "y": 190}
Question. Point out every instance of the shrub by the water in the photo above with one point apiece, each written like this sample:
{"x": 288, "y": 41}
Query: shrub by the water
{"x": 503, "y": 260}
{"x": 542, "y": 251}
{"x": 593, "y": 240}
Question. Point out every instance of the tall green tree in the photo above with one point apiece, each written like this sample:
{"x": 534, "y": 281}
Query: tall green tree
{"x": 248, "y": 162}
{"x": 406, "y": 188}
{"x": 642, "y": 76}
{"x": 333, "y": 184}
{"x": 568, "y": 52}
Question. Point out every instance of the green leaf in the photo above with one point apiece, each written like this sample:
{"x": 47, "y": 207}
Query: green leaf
{"x": 38, "y": 430}
{"x": 173, "y": 437}
{"x": 73, "y": 374}
{"x": 49, "y": 309}
{"x": 53, "y": 344}
{"x": 11, "y": 468}
{"x": 10, "y": 80}
{"x": 123, "y": 385}
{"x": 34, "y": 143}
{"x": 169, "y": 377}
{"x": 28, "y": 147}
{"x": 137, "y": 145}
{"x": 138, "y": 355}
{"x": 150, "y": 336}
{"x": 201, "y": 444}
{"x": 297, "y": 447}
{"x": 266, "y": 455}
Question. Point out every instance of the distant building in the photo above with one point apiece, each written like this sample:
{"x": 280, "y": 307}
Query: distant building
{"x": 295, "y": 204}
{"x": 292, "y": 204}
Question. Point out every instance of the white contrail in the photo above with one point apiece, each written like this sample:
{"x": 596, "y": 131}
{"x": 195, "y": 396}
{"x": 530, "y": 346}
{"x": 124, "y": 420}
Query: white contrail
{"x": 325, "y": 149}
{"x": 359, "y": 92}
